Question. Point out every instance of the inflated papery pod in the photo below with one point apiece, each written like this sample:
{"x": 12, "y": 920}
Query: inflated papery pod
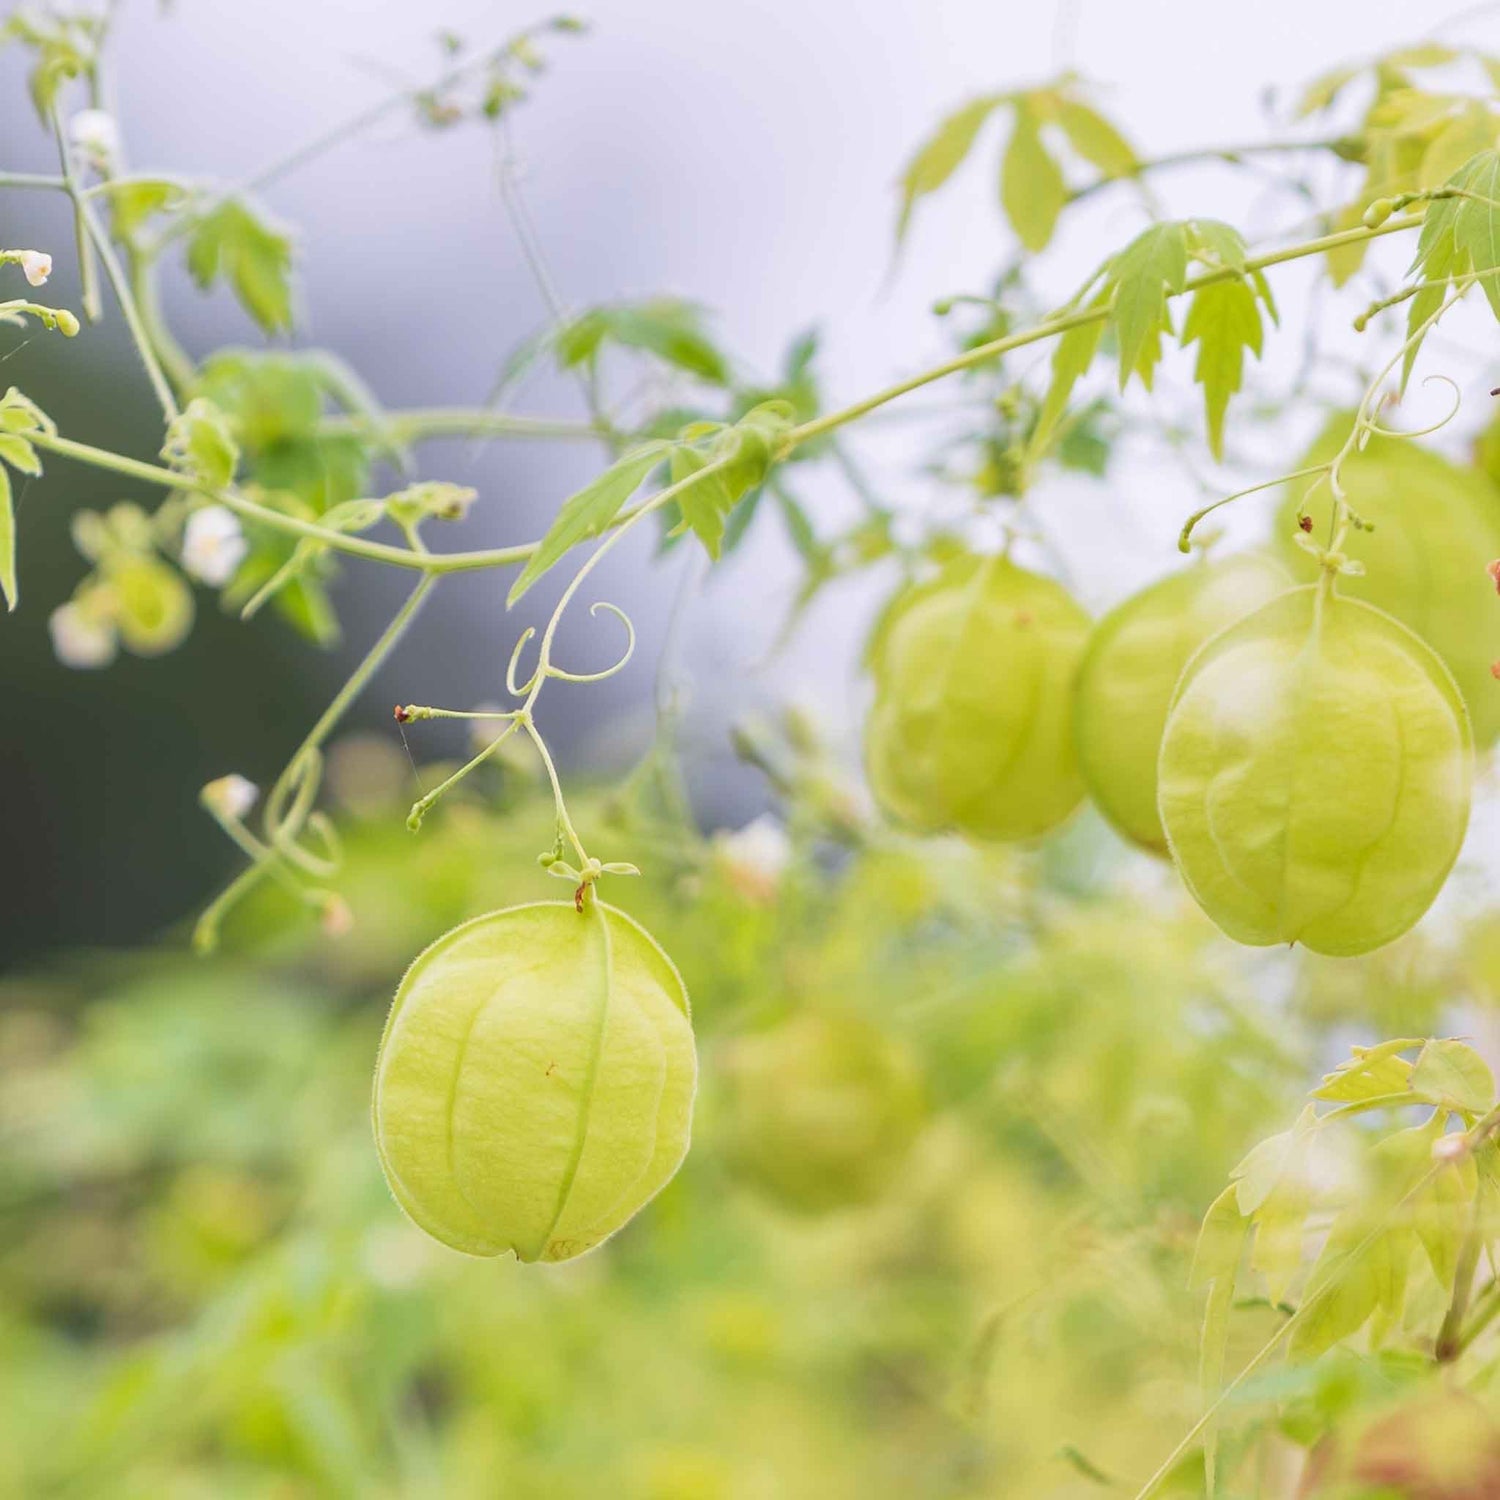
{"x": 972, "y": 725}
{"x": 1433, "y": 528}
{"x": 535, "y": 1082}
{"x": 1315, "y": 775}
{"x": 1130, "y": 671}
{"x": 820, "y": 1111}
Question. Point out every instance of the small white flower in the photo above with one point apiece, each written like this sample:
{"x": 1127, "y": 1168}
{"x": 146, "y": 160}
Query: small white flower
{"x": 755, "y": 857}
{"x": 95, "y": 134}
{"x": 231, "y": 796}
{"x": 81, "y": 637}
{"x": 213, "y": 546}
{"x": 36, "y": 265}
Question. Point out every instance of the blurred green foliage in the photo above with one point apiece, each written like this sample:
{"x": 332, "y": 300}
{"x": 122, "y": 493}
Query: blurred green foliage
{"x": 205, "y": 1289}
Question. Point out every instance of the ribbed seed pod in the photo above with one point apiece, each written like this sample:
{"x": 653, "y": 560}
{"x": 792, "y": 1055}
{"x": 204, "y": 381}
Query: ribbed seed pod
{"x": 535, "y": 1082}
{"x": 1315, "y": 775}
{"x": 821, "y": 1111}
{"x": 1436, "y": 527}
{"x": 971, "y": 729}
{"x": 1134, "y": 658}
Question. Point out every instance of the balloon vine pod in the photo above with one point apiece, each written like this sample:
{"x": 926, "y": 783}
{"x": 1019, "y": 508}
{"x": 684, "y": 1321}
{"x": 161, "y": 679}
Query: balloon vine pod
{"x": 535, "y": 1082}
{"x": 1428, "y": 526}
{"x": 1315, "y": 774}
{"x": 1129, "y": 672}
{"x": 972, "y": 725}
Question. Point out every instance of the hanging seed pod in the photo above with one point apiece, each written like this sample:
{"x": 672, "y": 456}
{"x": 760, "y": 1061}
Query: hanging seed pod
{"x": 972, "y": 728}
{"x": 1135, "y": 656}
{"x": 1435, "y": 526}
{"x": 1315, "y": 775}
{"x": 821, "y": 1111}
{"x": 535, "y": 1082}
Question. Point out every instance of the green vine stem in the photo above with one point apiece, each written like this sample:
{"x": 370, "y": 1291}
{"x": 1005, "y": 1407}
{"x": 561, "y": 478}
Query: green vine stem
{"x": 403, "y": 428}
{"x": 1050, "y": 327}
{"x": 300, "y": 774}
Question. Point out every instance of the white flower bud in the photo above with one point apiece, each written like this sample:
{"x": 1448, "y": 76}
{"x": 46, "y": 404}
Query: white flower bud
{"x": 755, "y": 857}
{"x": 81, "y": 637}
{"x": 213, "y": 546}
{"x": 95, "y": 134}
{"x": 36, "y": 266}
{"x": 231, "y": 796}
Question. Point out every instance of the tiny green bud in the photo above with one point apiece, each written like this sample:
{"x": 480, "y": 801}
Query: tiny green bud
{"x": 1378, "y": 212}
{"x": 67, "y": 324}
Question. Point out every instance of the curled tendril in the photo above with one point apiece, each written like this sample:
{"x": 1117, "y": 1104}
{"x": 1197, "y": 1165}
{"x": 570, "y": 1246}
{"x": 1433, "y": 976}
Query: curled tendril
{"x": 1376, "y": 428}
{"x": 607, "y": 672}
{"x": 520, "y": 691}
{"x": 1185, "y": 536}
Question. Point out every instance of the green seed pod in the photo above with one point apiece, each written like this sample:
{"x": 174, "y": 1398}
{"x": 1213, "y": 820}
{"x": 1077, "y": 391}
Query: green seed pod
{"x": 153, "y": 604}
{"x": 820, "y": 1111}
{"x": 1135, "y": 656}
{"x": 1315, "y": 774}
{"x": 1436, "y": 525}
{"x": 972, "y": 724}
{"x": 535, "y": 1082}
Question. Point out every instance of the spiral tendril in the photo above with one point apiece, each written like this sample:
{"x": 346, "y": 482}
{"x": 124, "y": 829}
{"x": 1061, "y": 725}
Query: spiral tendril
{"x": 610, "y": 671}
{"x": 1372, "y": 426}
{"x": 520, "y": 691}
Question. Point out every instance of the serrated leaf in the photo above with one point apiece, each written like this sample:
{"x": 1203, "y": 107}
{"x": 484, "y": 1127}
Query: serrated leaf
{"x": 1263, "y": 1166}
{"x": 1428, "y": 300}
{"x": 1280, "y": 1231}
{"x": 1096, "y": 140}
{"x": 1453, "y": 1075}
{"x": 19, "y": 454}
{"x": 1462, "y": 234}
{"x": 199, "y": 443}
{"x": 1345, "y": 260}
{"x": 740, "y": 518}
{"x": 1364, "y": 1264}
{"x": 941, "y": 154}
{"x": 1441, "y": 1217}
{"x": 1392, "y": 1265}
{"x": 1072, "y": 354}
{"x": 134, "y": 201}
{"x": 1422, "y": 55}
{"x": 1469, "y": 132}
{"x": 1212, "y": 1348}
{"x": 1224, "y": 321}
{"x": 589, "y": 511}
{"x": 232, "y": 241}
{"x": 668, "y": 327}
{"x": 1344, "y": 1287}
{"x": 1221, "y": 1241}
{"x": 1218, "y": 242}
{"x": 1371, "y": 1073}
{"x": 706, "y": 504}
{"x": 1152, "y": 267}
{"x": 1324, "y": 90}
{"x": 1032, "y": 189}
